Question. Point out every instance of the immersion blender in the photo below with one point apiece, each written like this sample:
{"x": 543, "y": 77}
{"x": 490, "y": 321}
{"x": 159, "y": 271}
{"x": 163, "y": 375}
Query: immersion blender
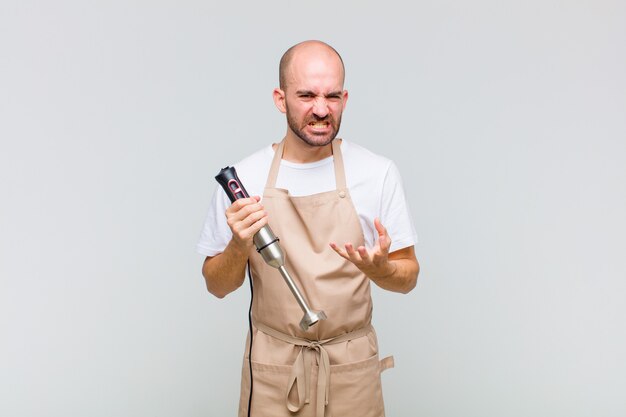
{"x": 267, "y": 245}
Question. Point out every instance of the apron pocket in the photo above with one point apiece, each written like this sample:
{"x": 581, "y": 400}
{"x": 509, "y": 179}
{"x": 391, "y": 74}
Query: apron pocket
{"x": 356, "y": 389}
{"x": 268, "y": 390}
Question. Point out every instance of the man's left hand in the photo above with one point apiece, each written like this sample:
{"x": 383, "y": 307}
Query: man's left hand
{"x": 375, "y": 262}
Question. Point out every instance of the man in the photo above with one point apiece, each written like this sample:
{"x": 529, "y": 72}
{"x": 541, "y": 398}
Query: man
{"x": 329, "y": 201}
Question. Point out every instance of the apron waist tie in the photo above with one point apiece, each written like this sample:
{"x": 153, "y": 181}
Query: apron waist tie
{"x": 301, "y": 370}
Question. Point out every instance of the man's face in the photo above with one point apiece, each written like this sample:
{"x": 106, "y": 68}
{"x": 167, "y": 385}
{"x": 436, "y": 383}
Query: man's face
{"x": 314, "y": 98}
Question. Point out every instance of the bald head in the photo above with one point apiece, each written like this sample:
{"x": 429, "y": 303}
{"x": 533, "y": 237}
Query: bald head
{"x": 306, "y": 50}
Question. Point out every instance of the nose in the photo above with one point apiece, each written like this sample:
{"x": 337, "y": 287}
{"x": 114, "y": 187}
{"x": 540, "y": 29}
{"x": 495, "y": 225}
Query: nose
{"x": 320, "y": 107}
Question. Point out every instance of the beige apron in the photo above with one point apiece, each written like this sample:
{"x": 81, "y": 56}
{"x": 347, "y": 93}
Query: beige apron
{"x": 333, "y": 368}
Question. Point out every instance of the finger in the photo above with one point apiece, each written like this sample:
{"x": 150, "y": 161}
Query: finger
{"x": 379, "y": 227}
{"x": 252, "y": 218}
{"x": 364, "y": 254}
{"x": 381, "y": 250}
{"x": 243, "y": 220}
{"x": 246, "y": 235}
{"x": 352, "y": 254}
{"x": 235, "y": 214}
{"x": 258, "y": 225}
{"x": 378, "y": 256}
{"x": 240, "y": 226}
{"x": 242, "y": 202}
{"x": 338, "y": 250}
{"x": 384, "y": 241}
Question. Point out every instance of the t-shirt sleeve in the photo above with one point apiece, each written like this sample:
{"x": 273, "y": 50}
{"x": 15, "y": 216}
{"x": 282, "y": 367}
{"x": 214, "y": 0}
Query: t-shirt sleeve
{"x": 215, "y": 234}
{"x": 395, "y": 214}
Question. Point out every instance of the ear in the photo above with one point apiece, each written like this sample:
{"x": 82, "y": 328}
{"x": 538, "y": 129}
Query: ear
{"x": 279, "y": 100}
{"x": 345, "y": 98}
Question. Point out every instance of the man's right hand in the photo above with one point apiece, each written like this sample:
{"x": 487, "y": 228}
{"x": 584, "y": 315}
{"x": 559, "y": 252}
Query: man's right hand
{"x": 225, "y": 272}
{"x": 245, "y": 217}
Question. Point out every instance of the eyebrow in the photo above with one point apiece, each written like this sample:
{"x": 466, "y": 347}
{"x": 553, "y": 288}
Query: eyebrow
{"x": 309, "y": 92}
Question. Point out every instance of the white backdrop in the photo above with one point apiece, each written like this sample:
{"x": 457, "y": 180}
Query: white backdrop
{"x": 506, "y": 119}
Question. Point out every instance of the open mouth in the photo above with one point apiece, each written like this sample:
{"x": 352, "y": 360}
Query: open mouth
{"x": 319, "y": 125}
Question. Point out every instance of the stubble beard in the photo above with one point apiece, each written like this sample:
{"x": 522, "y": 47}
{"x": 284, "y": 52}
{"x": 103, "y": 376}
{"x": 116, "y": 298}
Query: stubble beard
{"x": 313, "y": 140}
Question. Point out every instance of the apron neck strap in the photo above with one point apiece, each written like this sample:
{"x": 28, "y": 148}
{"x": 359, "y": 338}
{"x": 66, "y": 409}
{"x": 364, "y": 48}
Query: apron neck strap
{"x": 340, "y": 175}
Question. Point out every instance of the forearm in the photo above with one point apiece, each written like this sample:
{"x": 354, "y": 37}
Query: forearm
{"x": 399, "y": 276}
{"x": 225, "y": 272}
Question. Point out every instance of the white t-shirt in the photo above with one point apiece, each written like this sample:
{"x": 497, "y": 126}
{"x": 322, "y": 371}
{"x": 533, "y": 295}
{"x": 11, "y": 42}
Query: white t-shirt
{"x": 373, "y": 182}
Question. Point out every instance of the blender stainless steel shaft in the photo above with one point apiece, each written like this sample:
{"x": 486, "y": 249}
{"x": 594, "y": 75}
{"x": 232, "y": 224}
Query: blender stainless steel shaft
{"x": 267, "y": 245}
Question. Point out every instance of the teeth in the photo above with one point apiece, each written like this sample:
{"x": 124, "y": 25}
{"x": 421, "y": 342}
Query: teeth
{"x": 319, "y": 124}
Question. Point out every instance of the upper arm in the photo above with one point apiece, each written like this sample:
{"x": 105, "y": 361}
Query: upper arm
{"x": 395, "y": 213}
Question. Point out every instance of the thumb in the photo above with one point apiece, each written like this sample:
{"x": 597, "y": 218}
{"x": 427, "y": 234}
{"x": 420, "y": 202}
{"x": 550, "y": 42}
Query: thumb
{"x": 379, "y": 227}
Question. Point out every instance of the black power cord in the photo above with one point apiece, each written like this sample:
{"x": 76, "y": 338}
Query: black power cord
{"x": 250, "y": 330}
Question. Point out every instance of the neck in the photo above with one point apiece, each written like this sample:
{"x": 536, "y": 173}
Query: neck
{"x": 296, "y": 150}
